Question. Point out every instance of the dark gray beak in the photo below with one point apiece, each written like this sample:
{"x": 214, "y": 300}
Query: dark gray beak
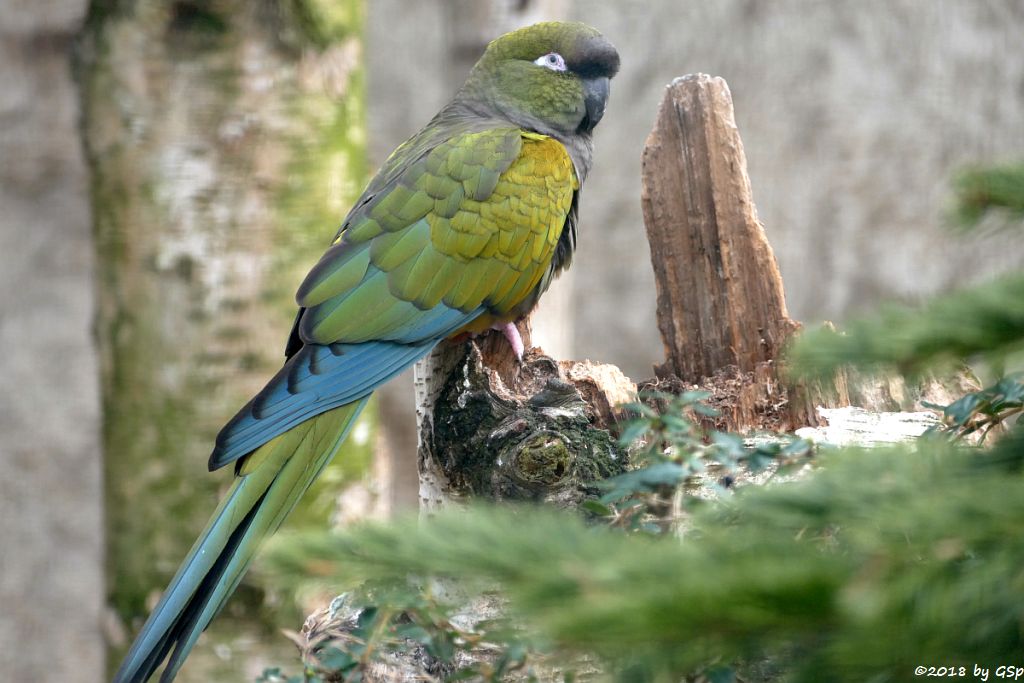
{"x": 595, "y": 97}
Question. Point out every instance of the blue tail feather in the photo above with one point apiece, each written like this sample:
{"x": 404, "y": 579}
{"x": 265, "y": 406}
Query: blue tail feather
{"x": 276, "y": 409}
{"x": 315, "y": 380}
{"x": 320, "y": 377}
{"x": 257, "y": 504}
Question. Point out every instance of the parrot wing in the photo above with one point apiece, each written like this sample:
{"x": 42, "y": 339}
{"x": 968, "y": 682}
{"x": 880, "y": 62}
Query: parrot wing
{"x": 461, "y": 237}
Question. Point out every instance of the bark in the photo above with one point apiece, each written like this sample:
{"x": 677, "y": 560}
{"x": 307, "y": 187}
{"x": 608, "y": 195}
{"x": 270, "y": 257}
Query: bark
{"x": 494, "y": 428}
{"x": 226, "y": 144}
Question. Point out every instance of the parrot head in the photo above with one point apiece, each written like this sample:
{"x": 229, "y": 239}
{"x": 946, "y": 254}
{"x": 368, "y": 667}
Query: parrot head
{"x": 552, "y": 78}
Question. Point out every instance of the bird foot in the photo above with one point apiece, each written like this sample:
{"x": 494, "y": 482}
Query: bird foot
{"x": 511, "y": 333}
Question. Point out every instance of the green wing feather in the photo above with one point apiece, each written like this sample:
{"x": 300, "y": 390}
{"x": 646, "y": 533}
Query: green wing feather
{"x": 470, "y": 226}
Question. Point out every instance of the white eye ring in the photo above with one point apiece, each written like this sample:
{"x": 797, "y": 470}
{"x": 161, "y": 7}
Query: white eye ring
{"x": 551, "y": 60}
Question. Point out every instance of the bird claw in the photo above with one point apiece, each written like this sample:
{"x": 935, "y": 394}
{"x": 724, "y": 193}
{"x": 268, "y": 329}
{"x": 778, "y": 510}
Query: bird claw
{"x": 511, "y": 333}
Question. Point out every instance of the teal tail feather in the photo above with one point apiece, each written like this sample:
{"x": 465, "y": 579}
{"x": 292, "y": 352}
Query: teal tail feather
{"x": 269, "y": 483}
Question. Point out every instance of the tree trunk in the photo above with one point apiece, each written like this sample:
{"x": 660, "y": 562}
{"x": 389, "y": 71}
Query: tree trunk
{"x": 226, "y": 144}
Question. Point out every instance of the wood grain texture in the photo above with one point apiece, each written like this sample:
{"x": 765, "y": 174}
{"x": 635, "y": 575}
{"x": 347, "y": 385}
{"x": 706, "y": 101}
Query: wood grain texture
{"x": 721, "y": 306}
{"x": 720, "y": 295}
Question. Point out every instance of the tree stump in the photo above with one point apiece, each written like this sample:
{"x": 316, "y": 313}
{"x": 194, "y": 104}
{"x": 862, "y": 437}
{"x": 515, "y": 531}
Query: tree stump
{"x": 720, "y": 295}
{"x": 721, "y": 305}
{"x": 493, "y": 427}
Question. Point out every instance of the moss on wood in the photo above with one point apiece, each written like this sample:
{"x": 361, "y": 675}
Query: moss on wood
{"x": 535, "y": 441}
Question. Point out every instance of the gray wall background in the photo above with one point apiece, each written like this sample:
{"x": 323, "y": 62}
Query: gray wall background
{"x": 51, "y": 521}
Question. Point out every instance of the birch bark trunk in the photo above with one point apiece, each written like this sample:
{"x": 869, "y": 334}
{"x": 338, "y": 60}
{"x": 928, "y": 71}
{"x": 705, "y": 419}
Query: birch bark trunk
{"x": 226, "y": 143}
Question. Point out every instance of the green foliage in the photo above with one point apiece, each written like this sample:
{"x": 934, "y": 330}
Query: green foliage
{"x": 884, "y": 560}
{"x": 276, "y": 675}
{"x": 981, "y": 190}
{"x": 985, "y": 321}
{"x": 399, "y": 615}
{"x": 678, "y": 455}
{"x": 389, "y": 623}
{"x": 982, "y": 411}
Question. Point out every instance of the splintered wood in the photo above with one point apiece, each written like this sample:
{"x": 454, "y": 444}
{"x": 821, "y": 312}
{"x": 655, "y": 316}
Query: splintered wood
{"x": 720, "y": 296}
{"x": 721, "y": 306}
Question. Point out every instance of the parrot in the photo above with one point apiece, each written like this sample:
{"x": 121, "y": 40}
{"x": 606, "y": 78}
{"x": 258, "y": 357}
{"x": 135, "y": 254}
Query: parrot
{"x": 460, "y": 231}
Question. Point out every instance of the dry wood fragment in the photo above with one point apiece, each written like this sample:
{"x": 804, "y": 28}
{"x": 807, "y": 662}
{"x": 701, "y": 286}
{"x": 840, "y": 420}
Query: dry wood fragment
{"x": 720, "y": 296}
{"x": 721, "y": 305}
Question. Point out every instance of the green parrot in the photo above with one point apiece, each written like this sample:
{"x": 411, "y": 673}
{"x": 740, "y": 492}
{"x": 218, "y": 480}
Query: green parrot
{"x": 461, "y": 231}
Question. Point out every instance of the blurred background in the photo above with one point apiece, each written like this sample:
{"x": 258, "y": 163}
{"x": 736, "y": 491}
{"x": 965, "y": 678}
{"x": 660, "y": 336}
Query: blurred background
{"x": 169, "y": 169}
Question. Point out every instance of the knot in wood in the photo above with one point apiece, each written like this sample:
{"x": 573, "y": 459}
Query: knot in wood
{"x": 542, "y": 459}
{"x": 530, "y": 436}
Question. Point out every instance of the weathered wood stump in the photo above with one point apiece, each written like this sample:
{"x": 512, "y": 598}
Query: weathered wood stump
{"x": 720, "y": 295}
{"x": 721, "y": 305}
{"x": 496, "y": 428}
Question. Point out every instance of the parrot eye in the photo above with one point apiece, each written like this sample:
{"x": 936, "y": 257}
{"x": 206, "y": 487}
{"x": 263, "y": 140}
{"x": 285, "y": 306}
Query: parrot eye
{"x": 551, "y": 60}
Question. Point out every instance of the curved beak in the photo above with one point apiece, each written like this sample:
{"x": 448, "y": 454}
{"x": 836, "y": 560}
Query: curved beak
{"x": 595, "y": 97}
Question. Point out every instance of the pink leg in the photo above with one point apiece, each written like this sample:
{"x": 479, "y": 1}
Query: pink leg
{"x": 511, "y": 333}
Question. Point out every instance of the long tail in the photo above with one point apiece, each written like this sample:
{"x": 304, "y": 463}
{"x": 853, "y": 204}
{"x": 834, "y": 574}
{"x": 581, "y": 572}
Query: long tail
{"x": 269, "y": 483}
